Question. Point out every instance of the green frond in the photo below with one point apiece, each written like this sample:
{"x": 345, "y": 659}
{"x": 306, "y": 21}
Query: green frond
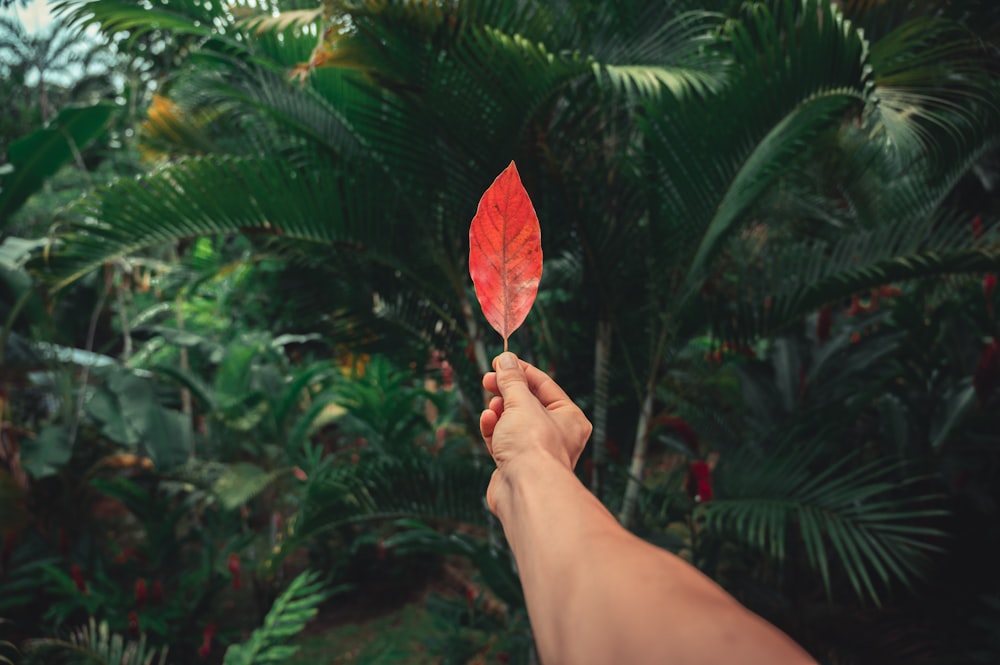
{"x": 707, "y": 170}
{"x": 271, "y": 113}
{"x": 94, "y": 644}
{"x": 219, "y": 195}
{"x": 859, "y": 521}
{"x": 186, "y": 17}
{"x": 769, "y": 156}
{"x": 932, "y": 79}
{"x": 789, "y": 280}
{"x": 289, "y": 19}
{"x": 677, "y": 54}
{"x": 292, "y": 610}
{"x": 448, "y": 487}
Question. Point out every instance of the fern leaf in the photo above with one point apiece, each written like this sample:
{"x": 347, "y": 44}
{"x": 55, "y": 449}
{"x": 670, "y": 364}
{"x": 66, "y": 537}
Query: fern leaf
{"x": 449, "y": 488}
{"x": 850, "y": 521}
{"x": 95, "y": 644}
{"x": 292, "y": 610}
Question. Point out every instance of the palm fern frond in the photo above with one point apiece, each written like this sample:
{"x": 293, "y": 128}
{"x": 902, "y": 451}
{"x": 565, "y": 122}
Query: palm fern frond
{"x": 272, "y": 113}
{"x": 856, "y": 520}
{"x": 788, "y": 280}
{"x": 675, "y": 53}
{"x": 931, "y": 80}
{"x": 447, "y": 487}
{"x": 220, "y": 195}
{"x": 186, "y": 17}
{"x": 94, "y": 644}
{"x": 292, "y": 610}
{"x": 9, "y": 653}
{"x": 293, "y": 18}
{"x": 707, "y": 179}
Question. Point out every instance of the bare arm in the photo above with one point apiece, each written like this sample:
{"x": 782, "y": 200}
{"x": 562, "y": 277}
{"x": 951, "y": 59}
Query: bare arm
{"x": 595, "y": 592}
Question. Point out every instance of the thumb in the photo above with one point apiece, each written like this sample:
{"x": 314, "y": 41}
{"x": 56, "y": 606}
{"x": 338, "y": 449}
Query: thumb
{"x": 511, "y": 379}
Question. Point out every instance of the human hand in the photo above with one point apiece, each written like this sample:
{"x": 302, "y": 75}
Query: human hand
{"x": 529, "y": 415}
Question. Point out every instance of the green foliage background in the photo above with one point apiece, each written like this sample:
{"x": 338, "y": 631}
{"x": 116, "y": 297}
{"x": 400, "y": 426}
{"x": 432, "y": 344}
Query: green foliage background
{"x": 250, "y": 346}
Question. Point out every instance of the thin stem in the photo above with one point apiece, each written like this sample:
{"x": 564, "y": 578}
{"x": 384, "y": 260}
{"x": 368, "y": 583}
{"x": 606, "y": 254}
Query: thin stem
{"x": 88, "y": 346}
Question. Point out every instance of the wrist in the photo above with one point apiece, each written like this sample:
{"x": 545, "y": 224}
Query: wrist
{"x": 537, "y": 466}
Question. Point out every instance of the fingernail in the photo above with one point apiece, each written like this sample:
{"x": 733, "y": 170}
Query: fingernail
{"x": 507, "y": 360}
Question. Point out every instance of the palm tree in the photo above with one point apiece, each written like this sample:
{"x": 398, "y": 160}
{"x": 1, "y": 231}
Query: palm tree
{"x": 726, "y": 172}
{"x": 862, "y": 108}
{"x": 459, "y": 115}
{"x": 47, "y": 63}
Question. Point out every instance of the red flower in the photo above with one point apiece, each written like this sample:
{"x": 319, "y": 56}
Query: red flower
{"x": 977, "y": 227}
{"x": 987, "y": 373}
{"x": 888, "y": 292}
{"x": 133, "y": 624}
{"x": 206, "y": 640}
{"x": 77, "y": 575}
{"x": 156, "y": 592}
{"x": 989, "y": 286}
{"x": 856, "y": 307}
{"x": 233, "y": 564}
{"x": 141, "y": 594}
{"x": 470, "y": 597}
{"x": 699, "y": 481}
{"x": 824, "y": 322}
{"x": 299, "y": 474}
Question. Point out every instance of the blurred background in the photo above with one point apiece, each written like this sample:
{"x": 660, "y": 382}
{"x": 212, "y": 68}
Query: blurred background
{"x": 240, "y": 352}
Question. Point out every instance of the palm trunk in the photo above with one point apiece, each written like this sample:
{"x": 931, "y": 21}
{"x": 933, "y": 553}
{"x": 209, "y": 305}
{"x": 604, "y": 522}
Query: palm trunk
{"x": 123, "y": 314}
{"x": 186, "y": 404}
{"x": 602, "y": 379}
{"x": 43, "y": 98}
{"x": 638, "y": 464}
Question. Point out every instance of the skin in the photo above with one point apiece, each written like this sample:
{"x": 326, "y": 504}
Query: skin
{"x": 595, "y": 592}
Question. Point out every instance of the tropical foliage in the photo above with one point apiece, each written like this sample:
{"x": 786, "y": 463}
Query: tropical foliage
{"x": 770, "y": 242}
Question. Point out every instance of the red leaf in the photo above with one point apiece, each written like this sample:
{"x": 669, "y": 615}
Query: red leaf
{"x": 505, "y": 253}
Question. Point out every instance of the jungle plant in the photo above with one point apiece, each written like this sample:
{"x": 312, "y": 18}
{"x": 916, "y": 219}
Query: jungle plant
{"x": 94, "y": 644}
{"x": 694, "y": 172}
{"x": 290, "y": 613}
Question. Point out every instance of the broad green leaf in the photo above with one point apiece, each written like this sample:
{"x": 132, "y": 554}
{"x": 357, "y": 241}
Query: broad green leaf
{"x": 39, "y": 155}
{"x": 241, "y": 482}
{"x": 45, "y": 454}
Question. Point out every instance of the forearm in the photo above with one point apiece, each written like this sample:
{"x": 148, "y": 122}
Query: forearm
{"x": 597, "y": 594}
